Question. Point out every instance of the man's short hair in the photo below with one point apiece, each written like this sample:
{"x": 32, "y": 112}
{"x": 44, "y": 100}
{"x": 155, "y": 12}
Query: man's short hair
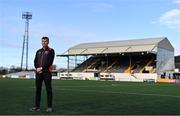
{"x": 45, "y": 38}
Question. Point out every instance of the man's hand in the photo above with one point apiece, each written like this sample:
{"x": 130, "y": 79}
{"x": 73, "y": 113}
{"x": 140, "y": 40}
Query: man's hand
{"x": 39, "y": 70}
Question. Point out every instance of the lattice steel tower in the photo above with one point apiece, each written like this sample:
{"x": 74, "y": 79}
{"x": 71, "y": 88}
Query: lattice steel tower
{"x": 27, "y": 16}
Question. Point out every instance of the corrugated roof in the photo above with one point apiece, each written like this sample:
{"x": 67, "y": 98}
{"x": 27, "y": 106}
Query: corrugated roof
{"x": 135, "y": 45}
{"x": 146, "y": 41}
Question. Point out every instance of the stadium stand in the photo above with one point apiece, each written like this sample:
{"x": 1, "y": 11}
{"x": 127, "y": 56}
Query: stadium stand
{"x": 135, "y": 60}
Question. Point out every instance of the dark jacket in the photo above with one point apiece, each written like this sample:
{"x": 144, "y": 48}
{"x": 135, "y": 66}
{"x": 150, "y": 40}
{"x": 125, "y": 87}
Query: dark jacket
{"x": 44, "y": 58}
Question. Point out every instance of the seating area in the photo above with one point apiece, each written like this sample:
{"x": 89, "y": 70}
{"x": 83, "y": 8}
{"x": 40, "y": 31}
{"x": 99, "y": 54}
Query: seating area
{"x": 119, "y": 64}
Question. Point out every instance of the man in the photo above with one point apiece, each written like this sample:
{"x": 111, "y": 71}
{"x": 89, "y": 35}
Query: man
{"x": 43, "y": 63}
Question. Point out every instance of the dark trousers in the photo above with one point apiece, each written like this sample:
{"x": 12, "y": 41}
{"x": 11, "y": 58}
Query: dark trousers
{"x": 46, "y": 77}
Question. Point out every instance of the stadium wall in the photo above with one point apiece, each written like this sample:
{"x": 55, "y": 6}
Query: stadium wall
{"x": 165, "y": 60}
{"x": 136, "y": 77}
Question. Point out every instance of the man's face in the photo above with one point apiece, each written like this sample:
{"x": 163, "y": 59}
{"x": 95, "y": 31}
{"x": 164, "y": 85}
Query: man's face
{"x": 44, "y": 42}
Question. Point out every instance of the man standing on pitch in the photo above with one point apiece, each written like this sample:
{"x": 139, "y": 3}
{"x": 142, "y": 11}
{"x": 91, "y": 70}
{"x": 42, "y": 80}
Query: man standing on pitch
{"x": 43, "y": 63}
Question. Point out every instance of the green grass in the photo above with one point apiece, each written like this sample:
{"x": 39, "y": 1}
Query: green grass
{"x": 91, "y": 97}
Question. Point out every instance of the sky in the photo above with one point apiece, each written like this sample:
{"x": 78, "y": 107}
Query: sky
{"x": 71, "y": 22}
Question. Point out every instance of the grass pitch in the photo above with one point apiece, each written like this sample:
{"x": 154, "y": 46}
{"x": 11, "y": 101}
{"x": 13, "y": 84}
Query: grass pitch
{"x": 91, "y": 98}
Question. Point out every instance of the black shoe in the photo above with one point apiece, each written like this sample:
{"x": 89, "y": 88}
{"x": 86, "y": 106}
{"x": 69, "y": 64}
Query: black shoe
{"x": 34, "y": 109}
{"x": 49, "y": 110}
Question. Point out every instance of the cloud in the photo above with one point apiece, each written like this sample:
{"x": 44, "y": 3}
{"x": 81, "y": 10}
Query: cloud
{"x": 101, "y": 7}
{"x": 176, "y": 1}
{"x": 106, "y": 5}
{"x": 170, "y": 18}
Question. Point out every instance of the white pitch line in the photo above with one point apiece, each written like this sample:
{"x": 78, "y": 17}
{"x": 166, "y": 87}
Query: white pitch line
{"x": 158, "y": 95}
{"x": 85, "y": 86}
{"x": 112, "y": 85}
